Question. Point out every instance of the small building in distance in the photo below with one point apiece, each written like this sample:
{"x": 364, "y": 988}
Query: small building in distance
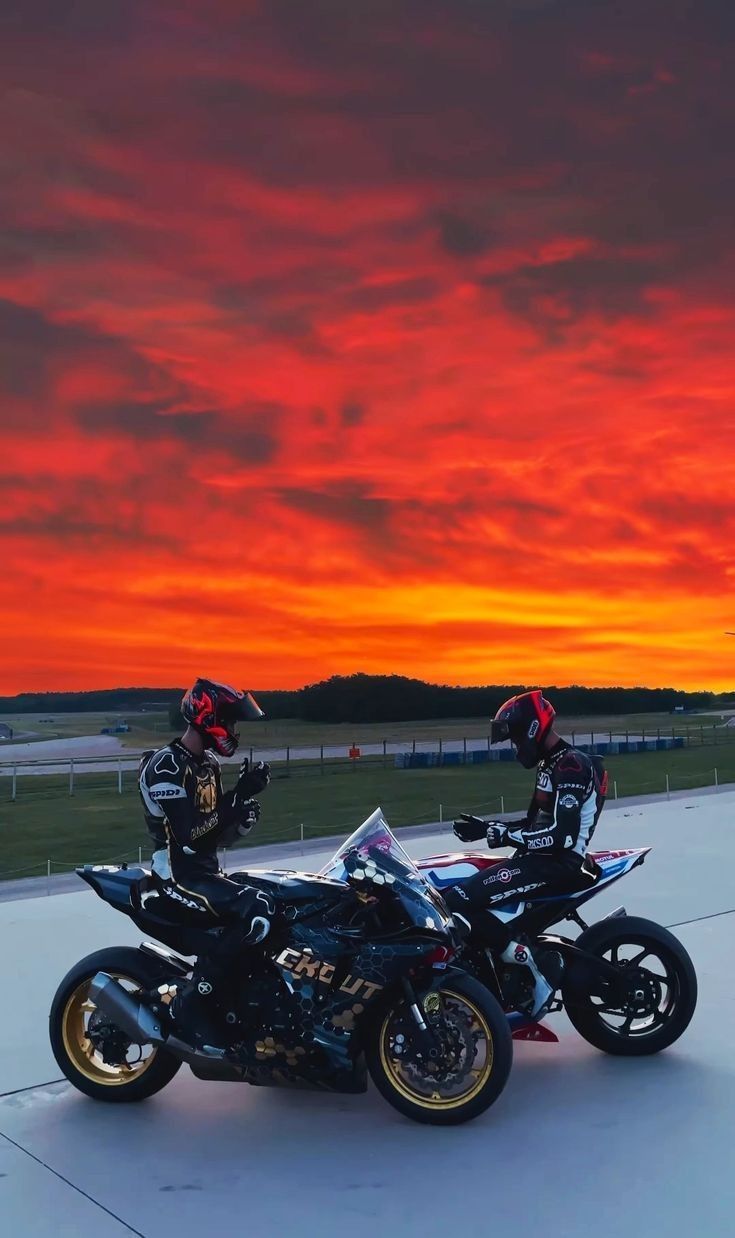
{"x": 6, "y": 732}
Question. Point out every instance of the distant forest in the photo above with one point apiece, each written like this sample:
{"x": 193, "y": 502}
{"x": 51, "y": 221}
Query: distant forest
{"x": 374, "y": 698}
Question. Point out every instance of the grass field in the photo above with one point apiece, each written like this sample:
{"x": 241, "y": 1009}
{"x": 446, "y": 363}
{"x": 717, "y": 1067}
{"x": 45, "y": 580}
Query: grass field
{"x": 152, "y": 728}
{"x": 97, "y": 824}
{"x": 31, "y": 728}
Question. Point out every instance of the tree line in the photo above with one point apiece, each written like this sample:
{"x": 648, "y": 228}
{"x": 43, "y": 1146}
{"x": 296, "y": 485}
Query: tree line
{"x": 374, "y": 698}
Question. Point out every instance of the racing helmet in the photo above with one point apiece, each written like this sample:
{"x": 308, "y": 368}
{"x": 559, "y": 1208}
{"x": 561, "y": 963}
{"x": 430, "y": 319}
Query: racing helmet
{"x": 214, "y": 708}
{"x": 525, "y": 720}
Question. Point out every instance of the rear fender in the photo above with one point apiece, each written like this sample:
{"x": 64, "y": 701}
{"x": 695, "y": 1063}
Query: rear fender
{"x": 116, "y": 886}
{"x": 612, "y": 865}
{"x": 167, "y": 957}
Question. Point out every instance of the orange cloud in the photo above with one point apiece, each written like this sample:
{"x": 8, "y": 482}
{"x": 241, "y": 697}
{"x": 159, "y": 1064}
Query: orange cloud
{"x": 324, "y": 348}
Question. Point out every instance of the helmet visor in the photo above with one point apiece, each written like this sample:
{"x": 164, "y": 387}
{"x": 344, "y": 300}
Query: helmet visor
{"x": 499, "y": 732}
{"x": 247, "y": 709}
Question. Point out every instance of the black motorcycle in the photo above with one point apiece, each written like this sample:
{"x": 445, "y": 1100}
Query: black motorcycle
{"x": 355, "y": 977}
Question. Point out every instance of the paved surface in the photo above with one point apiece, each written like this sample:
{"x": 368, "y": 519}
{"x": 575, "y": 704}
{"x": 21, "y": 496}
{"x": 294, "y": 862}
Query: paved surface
{"x": 105, "y": 752}
{"x": 634, "y": 1147}
{"x": 299, "y": 854}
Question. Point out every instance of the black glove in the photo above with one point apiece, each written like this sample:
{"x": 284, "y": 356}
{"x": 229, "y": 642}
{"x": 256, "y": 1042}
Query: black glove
{"x": 250, "y": 817}
{"x": 252, "y": 779}
{"x": 497, "y": 834}
{"x": 470, "y": 829}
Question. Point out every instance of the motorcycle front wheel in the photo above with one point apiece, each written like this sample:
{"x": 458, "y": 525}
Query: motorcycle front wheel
{"x": 463, "y": 1072}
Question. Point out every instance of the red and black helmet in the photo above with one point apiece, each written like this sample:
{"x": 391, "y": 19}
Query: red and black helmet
{"x": 214, "y": 708}
{"x": 525, "y": 720}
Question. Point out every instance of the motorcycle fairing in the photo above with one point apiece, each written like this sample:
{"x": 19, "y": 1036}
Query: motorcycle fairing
{"x": 452, "y": 869}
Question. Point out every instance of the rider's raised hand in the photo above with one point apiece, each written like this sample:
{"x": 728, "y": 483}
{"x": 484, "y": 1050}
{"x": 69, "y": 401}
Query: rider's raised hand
{"x": 470, "y": 829}
{"x": 253, "y": 778}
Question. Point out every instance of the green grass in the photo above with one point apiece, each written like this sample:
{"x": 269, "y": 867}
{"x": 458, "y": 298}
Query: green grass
{"x": 152, "y": 728}
{"x": 98, "y": 825}
{"x": 146, "y": 728}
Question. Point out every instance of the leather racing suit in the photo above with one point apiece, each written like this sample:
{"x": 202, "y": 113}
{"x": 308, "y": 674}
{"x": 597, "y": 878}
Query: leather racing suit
{"x": 554, "y": 836}
{"x": 188, "y": 813}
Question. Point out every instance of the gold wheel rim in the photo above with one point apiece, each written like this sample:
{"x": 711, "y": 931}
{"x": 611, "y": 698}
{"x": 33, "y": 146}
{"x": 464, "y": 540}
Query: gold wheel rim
{"x": 395, "y": 1071}
{"x": 81, "y": 1051}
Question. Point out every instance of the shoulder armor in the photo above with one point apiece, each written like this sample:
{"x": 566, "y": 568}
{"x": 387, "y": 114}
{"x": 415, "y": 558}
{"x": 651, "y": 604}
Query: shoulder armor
{"x": 166, "y": 764}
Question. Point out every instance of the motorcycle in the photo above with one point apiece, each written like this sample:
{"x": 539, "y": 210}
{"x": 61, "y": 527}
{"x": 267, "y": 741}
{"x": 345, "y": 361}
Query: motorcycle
{"x": 628, "y": 985}
{"x": 356, "y": 976}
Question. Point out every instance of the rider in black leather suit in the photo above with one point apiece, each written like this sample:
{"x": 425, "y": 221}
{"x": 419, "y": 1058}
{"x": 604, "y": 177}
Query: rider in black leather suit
{"x": 553, "y": 836}
{"x": 189, "y": 816}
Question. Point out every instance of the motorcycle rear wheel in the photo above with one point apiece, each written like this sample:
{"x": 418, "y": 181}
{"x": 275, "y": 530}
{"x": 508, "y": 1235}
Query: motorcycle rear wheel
{"x": 479, "y": 1025}
{"x": 79, "y": 1057}
{"x": 662, "y": 992}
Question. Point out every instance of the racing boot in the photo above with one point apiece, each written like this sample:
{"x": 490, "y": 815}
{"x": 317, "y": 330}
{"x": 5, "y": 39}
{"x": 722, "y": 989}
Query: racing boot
{"x": 521, "y": 955}
{"x": 195, "y": 1021}
{"x": 195, "y": 1008}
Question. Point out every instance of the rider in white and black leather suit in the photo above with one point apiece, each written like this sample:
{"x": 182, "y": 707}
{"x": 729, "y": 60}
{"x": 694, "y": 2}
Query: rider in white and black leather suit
{"x": 189, "y": 816}
{"x": 553, "y": 836}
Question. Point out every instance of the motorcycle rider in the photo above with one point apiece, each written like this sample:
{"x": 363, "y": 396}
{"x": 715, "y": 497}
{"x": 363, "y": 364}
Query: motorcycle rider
{"x": 189, "y": 816}
{"x": 553, "y": 836}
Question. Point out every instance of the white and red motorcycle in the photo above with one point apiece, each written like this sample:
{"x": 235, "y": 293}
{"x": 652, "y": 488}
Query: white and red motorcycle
{"x": 627, "y": 984}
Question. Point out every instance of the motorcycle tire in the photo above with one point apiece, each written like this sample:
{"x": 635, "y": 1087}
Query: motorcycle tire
{"x": 474, "y": 1015}
{"x": 78, "y": 1058}
{"x": 657, "y": 1028}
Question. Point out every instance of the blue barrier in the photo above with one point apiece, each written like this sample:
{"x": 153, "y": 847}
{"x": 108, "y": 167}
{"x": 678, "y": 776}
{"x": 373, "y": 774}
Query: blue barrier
{"x": 482, "y": 756}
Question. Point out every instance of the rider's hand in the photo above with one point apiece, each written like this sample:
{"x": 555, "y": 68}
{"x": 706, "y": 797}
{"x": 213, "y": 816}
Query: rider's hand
{"x": 250, "y": 817}
{"x": 470, "y": 829}
{"x": 252, "y": 779}
{"x": 497, "y": 834}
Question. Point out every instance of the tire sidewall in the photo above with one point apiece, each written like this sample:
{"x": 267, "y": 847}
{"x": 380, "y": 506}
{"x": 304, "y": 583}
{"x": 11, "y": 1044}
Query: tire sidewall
{"x": 464, "y": 986}
{"x": 132, "y": 963}
{"x": 622, "y": 929}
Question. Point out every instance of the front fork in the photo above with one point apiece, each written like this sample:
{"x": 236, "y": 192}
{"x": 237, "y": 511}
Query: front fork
{"x": 424, "y": 1034}
{"x": 423, "y": 1007}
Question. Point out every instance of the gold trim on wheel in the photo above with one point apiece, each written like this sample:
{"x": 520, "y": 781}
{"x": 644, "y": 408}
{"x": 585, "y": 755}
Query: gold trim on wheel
{"x": 395, "y": 1071}
{"x": 80, "y": 1049}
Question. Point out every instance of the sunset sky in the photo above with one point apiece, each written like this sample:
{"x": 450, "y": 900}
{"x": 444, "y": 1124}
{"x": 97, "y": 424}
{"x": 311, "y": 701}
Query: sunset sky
{"x": 382, "y": 336}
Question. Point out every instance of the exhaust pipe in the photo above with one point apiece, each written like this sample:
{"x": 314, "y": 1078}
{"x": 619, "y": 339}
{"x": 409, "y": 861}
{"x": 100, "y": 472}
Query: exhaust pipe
{"x": 131, "y": 1016}
{"x": 139, "y": 1022}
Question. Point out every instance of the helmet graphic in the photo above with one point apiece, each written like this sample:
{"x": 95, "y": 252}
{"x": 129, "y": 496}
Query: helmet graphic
{"x": 213, "y": 708}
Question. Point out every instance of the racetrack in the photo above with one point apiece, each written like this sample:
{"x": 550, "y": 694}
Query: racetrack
{"x": 92, "y": 754}
{"x": 579, "y": 1144}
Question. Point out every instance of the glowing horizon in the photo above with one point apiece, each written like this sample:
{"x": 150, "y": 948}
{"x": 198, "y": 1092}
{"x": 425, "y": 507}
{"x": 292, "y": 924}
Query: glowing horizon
{"x": 363, "y": 339}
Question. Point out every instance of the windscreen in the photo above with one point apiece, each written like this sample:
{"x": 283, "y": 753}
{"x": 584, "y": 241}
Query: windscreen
{"x": 375, "y": 841}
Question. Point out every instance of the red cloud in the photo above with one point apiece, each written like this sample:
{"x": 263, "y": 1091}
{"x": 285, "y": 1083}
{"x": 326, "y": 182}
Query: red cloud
{"x": 322, "y": 347}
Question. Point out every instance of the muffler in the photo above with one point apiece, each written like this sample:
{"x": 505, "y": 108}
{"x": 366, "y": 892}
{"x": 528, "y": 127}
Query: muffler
{"x": 137, "y": 1021}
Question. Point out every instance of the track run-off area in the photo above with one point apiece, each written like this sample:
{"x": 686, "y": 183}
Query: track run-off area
{"x": 579, "y": 1144}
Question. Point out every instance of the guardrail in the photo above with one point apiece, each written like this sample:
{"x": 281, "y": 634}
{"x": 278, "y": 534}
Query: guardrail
{"x": 406, "y": 753}
{"x": 663, "y": 787}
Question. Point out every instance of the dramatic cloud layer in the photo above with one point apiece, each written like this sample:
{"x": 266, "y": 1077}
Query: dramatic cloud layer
{"x": 380, "y": 336}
